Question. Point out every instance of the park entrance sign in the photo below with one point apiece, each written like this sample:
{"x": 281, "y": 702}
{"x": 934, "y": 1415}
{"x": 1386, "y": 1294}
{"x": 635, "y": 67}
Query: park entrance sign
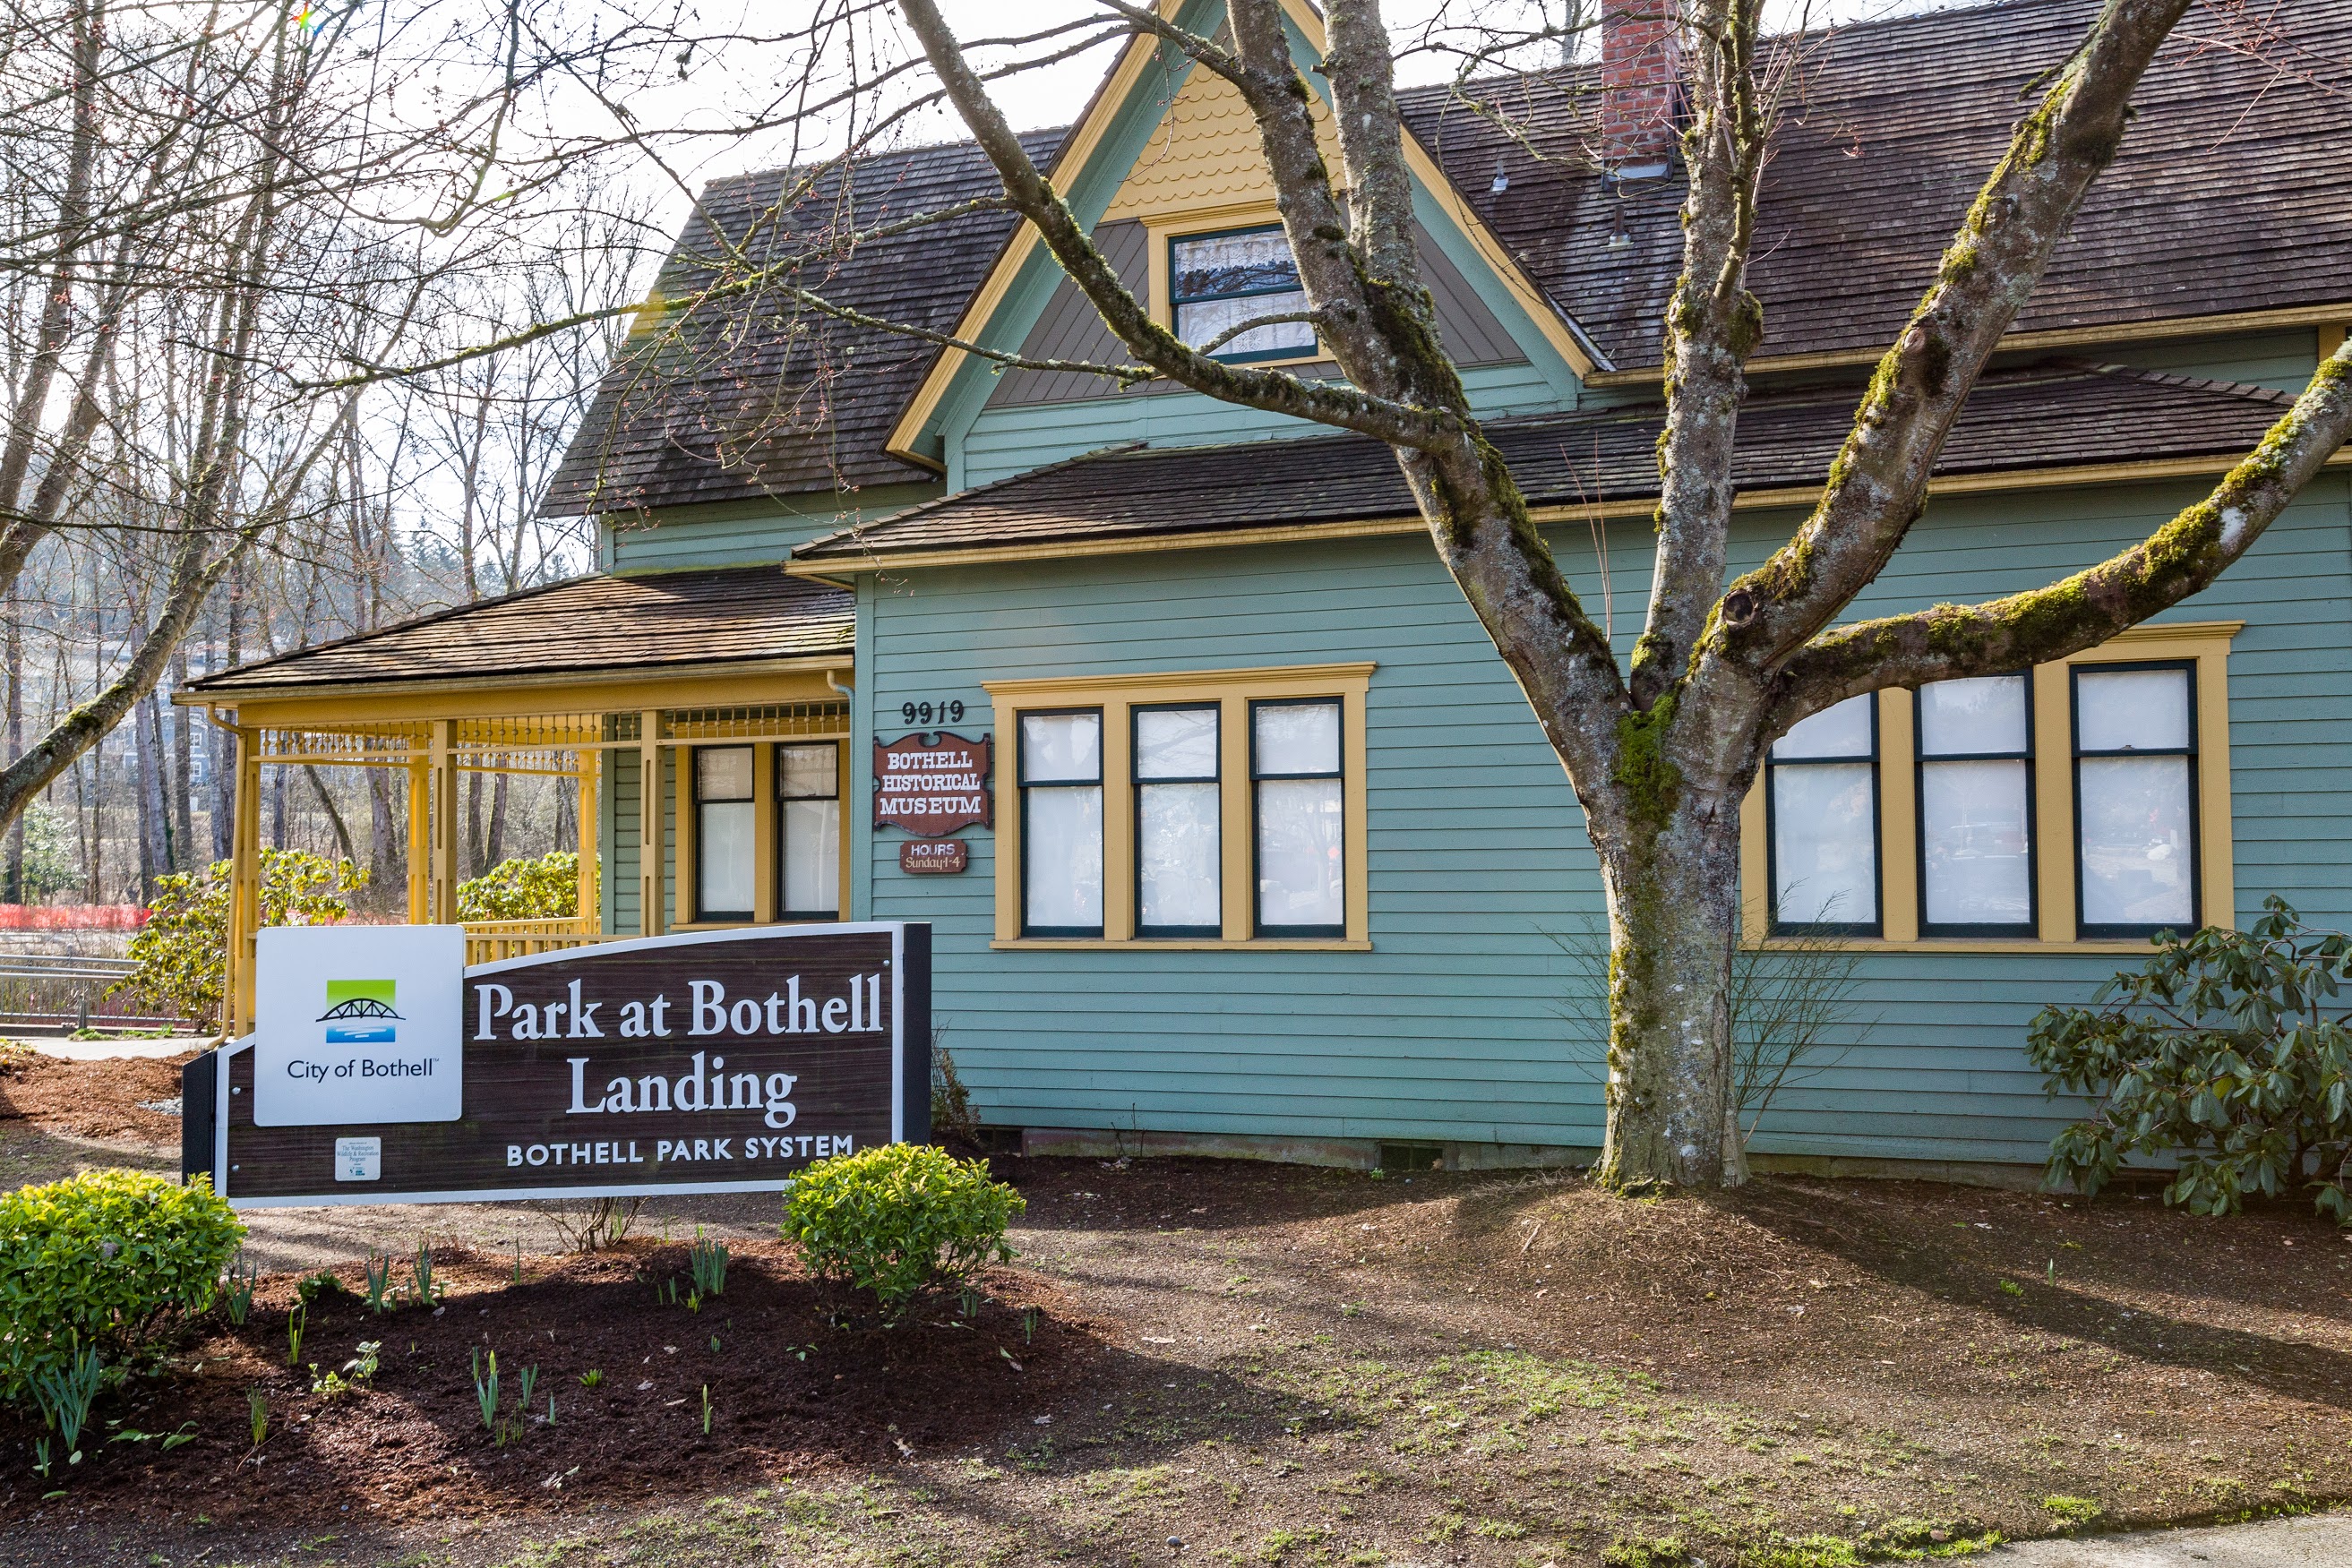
{"x": 382, "y": 1071}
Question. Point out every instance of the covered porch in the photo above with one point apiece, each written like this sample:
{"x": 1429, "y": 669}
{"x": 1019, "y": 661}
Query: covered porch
{"x": 696, "y": 715}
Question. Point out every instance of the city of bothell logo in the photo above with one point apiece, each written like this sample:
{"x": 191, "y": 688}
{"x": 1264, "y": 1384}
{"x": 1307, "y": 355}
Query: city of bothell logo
{"x": 358, "y": 1012}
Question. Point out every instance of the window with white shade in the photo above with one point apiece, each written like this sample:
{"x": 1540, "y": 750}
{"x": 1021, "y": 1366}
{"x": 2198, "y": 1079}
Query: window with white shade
{"x": 1179, "y": 849}
{"x": 726, "y": 855}
{"x": 1295, "y": 775}
{"x": 2134, "y": 797}
{"x": 1062, "y": 824}
{"x": 808, "y": 831}
{"x": 1218, "y": 282}
{"x": 1976, "y": 808}
{"x": 1823, "y": 821}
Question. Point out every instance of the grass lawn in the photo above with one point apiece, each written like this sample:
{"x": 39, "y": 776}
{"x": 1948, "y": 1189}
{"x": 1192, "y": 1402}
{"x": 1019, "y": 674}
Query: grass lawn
{"x": 1240, "y": 1364}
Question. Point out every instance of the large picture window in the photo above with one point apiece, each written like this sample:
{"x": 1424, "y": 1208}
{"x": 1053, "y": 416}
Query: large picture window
{"x": 2135, "y": 798}
{"x": 724, "y": 825}
{"x": 1301, "y": 856}
{"x": 1823, "y": 783}
{"x": 1220, "y": 281}
{"x": 808, "y": 831}
{"x": 1976, "y": 808}
{"x": 1179, "y": 848}
{"x": 1062, "y": 824}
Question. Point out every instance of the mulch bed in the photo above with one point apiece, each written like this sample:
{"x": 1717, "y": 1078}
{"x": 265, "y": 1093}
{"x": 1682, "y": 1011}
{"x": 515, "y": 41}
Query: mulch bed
{"x": 789, "y": 1392}
{"x": 104, "y": 1100}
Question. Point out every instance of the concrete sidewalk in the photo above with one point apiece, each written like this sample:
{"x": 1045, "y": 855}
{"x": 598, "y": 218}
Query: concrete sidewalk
{"x": 2315, "y": 1541}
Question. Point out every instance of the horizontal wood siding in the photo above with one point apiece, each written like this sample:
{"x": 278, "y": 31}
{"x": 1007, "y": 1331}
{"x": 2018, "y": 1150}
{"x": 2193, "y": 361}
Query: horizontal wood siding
{"x": 1002, "y": 441}
{"x": 737, "y": 536}
{"x": 1468, "y": 1020}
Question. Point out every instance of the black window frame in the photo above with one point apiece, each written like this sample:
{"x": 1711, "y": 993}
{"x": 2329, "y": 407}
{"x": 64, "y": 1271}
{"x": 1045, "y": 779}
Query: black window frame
{"x": 1135, "y": 783}
{"x": 2031, "y": 926}
{"x": 2087, "y": 930}
{"x": 1021, "y": 785}
{"x": 1177, "y": 300}
{"x": 1258, "y": 926}
{"x": 1774, "y": 925}
{"x": 694, "y": 771}
{"x": 776, "y": 778}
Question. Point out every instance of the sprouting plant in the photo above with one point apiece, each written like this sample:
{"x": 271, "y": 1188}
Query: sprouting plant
{"x": 379, "y": 1284}
{"x": 485, "y": 1390}
{"x": 294, "y": 1322}
{"x": 714, "y": 1344}
{"x": 331, "y": 1387}
{"x": 427, "y": 1292}
{"x": 591, "y": 1378}
{"x": 551, "y": 1407}
{"x": 669, "y": 1286}
{"x": 363, "y": 1366}
{"x": 518, "y": 1268}
{"x": 694, "y": 1300}
{"x": 311, "y": 1287}
{"x": 523, "y": 1386}
{"x": 1028, "y": 1325}
{"x": 238, "y": 1285}
{"x": 41, "y": 1457}
{"x": 709, "y": 1261}
{"x": 65, "y": 1395}
{"x": 257, "y": 1404}
{"x": 968, "y": 1299}
{"x": 706, "y": 1409}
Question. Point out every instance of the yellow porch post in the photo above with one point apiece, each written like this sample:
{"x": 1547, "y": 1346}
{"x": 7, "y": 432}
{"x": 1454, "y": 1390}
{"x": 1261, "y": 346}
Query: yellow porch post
{"x": 649, "y": 823}
{"x": 420, "y": 841}
{"x": 591, "y": 917}
{"x": 244, "y": 884}
{"x": 445, "y": 822}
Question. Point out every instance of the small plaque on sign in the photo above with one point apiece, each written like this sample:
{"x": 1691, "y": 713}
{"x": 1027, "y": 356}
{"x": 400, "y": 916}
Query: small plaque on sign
{"x": 934, "y": 857}
{"x": 359, "y": 1159}
{"x": 931, "y": 785}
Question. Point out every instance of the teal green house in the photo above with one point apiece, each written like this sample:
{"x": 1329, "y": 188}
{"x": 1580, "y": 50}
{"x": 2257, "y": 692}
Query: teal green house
{"x": 1265, "y": 853}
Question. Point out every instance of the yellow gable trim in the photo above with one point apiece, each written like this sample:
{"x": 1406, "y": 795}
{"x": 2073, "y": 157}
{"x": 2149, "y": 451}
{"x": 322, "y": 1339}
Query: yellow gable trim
{"x": 1186, "y": 183}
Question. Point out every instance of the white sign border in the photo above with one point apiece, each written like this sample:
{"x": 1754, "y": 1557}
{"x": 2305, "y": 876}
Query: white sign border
{"x": 896, "y": 928}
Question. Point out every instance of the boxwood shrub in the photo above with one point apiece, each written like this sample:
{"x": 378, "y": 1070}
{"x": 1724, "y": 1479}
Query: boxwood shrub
{"x": 100, "y": 1261}
{"x": 898, "y": 1220}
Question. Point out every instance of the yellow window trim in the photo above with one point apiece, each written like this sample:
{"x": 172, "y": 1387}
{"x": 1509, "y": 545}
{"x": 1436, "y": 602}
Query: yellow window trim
{"x": 765, "y": 806}
{"x": 2206, "y": 644}
{"x": 1233, "y": 690}
{"x": 1162, "y": 229}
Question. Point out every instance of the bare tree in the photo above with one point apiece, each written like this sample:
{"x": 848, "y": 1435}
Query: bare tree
{"x": 1661, "y": 754}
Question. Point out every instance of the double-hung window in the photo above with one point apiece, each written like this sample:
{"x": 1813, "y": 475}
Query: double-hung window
{"x": 2135, "y": 798}
{"x": 1823, "y": 783}
{"x": 2084, "y": 801}
{"x": 808, "y": 831}
{"x": 725, "y": 824}
{"x": 1218, "y": 282}
{"x": 1062, "y": 824}
{"x": 1196, "y": 808}
{"x": 1301, "y": 841}
{"x": 1179, "y": 841}
{"x": 1976, "y": 808}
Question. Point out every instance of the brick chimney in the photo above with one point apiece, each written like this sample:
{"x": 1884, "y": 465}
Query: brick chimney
{"x": 1641, "y": 72}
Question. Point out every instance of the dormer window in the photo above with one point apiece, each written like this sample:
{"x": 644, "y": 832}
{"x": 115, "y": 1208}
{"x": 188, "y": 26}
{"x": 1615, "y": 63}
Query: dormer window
{"x": 1221, "y": 281}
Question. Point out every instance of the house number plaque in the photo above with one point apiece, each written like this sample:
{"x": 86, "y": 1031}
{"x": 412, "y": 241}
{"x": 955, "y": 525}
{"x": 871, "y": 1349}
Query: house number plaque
{"x": 932, "y": 784}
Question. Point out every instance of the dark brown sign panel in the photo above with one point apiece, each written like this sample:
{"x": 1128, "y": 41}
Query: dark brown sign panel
{"x": 934, "y": 785}
{"x": 703, "y": 1062}
{"x": 934, "y": 857}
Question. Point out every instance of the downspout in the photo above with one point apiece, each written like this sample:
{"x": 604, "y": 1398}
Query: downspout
{"x": 845, "y": 692}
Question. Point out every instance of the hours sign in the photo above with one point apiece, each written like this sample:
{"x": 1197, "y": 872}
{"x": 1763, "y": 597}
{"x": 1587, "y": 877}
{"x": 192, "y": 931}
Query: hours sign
{"x": 932, "y": 784}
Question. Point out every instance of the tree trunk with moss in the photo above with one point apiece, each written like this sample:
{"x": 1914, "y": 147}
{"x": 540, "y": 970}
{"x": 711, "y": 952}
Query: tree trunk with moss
{"x": 1661, "y": 753}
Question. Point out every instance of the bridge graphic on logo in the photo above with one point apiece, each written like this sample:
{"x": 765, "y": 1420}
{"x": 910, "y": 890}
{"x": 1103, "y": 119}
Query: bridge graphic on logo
{"x": 360, "y": 1012}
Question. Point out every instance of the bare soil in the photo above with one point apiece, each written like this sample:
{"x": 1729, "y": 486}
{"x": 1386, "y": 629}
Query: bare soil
{"x": 1276, "y": 1366}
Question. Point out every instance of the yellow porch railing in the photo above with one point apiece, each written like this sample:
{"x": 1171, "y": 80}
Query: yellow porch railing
{"x": 486, "y": 941}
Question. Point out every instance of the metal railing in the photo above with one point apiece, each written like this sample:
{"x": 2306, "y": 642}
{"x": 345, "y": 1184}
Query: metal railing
{"x": 56, "y": 989}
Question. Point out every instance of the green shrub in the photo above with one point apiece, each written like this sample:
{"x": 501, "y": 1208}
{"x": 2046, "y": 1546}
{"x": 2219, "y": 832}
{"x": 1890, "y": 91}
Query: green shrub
{"x": 182, "y": 950}
{"x": 2227, "y": 1051}
{"x": 899, "y": 1219}
{"x": 98, "y": 1262}
{"x": 546, "y": 888}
